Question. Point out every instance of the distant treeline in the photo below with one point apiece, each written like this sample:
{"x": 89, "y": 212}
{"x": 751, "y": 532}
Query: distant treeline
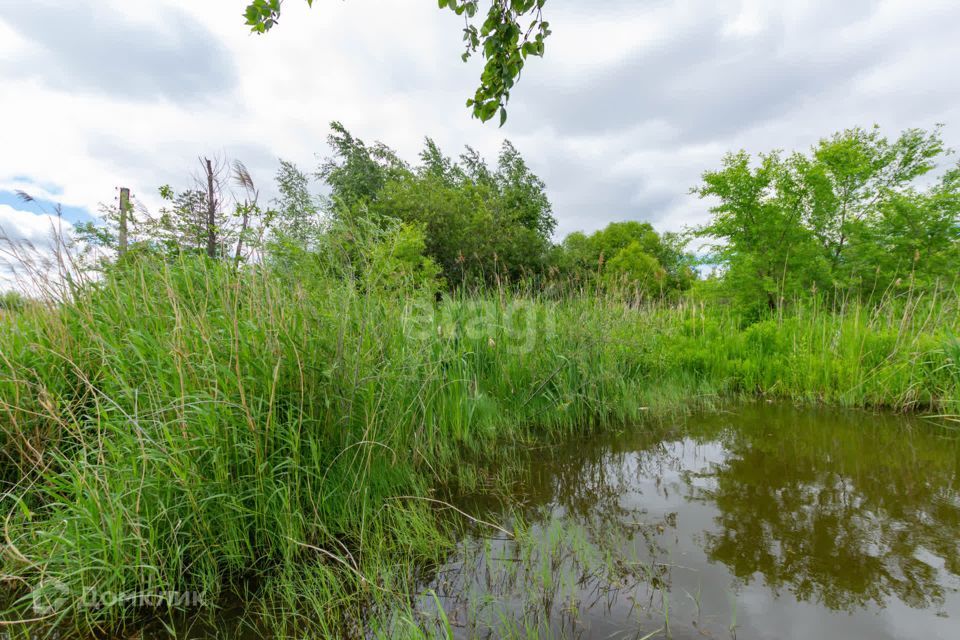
{"x": 858, "y": 215}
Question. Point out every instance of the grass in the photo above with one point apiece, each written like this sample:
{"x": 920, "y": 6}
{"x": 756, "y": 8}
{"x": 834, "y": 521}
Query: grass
{"x": 181, "y": 428}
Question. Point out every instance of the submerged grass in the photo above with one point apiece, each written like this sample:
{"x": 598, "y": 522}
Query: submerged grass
{"x": 181, "y": 428}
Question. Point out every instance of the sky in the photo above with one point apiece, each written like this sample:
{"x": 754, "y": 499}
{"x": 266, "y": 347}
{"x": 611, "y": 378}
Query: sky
{"x": 631, "y": 104}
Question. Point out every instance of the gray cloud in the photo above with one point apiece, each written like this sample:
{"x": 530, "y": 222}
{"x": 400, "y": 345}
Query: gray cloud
{"x": 671, "y": 110}
{"x": 180, "y": 161}
{"x": 704, "y": 83}
{"x": 89, "y": 47}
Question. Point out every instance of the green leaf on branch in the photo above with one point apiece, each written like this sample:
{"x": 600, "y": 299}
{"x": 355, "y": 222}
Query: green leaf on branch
{"x": 505, "y": 44}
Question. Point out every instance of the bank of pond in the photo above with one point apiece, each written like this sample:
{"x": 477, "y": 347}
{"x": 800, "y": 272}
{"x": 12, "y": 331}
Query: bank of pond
{"x": 198, "y": 451}
{"x": 758, "y": 520}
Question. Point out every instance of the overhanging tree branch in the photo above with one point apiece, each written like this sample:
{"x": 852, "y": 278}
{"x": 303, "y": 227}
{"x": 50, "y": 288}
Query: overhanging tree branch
{"x": 504, "y": 41}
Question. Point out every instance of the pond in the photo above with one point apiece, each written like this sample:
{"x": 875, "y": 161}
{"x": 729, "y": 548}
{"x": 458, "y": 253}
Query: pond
{"x": 764, "y": 522}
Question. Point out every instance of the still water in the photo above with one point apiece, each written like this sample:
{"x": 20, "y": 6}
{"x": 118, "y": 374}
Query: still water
{"x": 763, "y": 522}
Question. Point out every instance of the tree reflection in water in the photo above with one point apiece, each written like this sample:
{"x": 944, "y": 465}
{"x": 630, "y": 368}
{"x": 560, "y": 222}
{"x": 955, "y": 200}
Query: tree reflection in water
{"x": 838, "y": 511}
{"x": 844, "y": 511}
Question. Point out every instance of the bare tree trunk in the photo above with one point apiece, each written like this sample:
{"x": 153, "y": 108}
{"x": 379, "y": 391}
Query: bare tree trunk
{"x": 124, "y": 212}
{"x": 211, "y": 211}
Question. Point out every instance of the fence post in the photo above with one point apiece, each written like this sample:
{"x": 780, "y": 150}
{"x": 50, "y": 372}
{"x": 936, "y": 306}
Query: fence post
{"x": 124, "y": 210}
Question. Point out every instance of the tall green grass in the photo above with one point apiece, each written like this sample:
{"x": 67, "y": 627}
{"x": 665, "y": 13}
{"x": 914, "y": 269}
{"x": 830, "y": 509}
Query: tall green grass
{"x": 183, "y": 427}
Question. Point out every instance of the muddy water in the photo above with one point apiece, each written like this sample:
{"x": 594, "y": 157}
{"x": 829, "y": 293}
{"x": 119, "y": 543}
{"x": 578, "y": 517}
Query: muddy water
{"x": 765, "y": 522}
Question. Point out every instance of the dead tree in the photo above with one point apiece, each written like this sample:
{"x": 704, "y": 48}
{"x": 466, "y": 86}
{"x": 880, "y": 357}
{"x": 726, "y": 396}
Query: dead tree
{"x": 212, "y": 206}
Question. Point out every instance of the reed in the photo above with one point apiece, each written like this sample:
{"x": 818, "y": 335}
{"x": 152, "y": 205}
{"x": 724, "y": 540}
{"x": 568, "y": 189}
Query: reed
{"x": 182, "y": 427}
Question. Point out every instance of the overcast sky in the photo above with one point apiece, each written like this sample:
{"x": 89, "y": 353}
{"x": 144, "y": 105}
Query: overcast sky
{"x": 633, "y": 101}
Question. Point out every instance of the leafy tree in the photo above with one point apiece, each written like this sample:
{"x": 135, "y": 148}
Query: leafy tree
{"x": 576, "y": 255}
{"x": 768, "y": 252}
{"x": 479, "y": 223}
{"x": 522, "y": 193}
{"x": 458, "y": 223}
{"x": 400, "y": 261}
{"x": 512, "y": 31}
{"x": 848, "y": 216}
{"x": 616, "y": 236}
{"x": 630, "y": 253}
{"x": 852, "y": 175}
{"x": 357, "y": 172}
{"x": 914, "y": 239}
{"x": 182, "y": 224}
{"x": 297, "y": 213}
{"x": 636, "y": 268}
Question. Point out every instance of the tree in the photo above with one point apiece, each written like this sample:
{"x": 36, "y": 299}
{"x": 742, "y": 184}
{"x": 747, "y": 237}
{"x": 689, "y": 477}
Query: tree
{"x": 851, "y": 176}
{"x": 767, "y": 251}
{"x": 296, "y": 209}
{"x": 357, "y": 172}
{"x": 197, "y": 220}
{"x": 480, "y": 224}
{"x": 848, "y": 216}
{"x": 915, "y": 239}
{"x": 505, "y": 38}
{"x": 577, "y": 255}
{"x": 634, "y": 267}
{"x": 182, "y": 226}
{"x": 630, "y": 253}
{"x": 522, "y": 193}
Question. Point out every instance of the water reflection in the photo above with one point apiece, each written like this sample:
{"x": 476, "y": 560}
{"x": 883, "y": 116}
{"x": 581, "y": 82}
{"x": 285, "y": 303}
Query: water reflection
{"x": 767, "y": 522}
{"x": 840, "y": 516}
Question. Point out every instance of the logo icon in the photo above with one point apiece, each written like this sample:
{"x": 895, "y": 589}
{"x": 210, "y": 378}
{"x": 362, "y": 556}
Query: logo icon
{"x": 49, "y": 596}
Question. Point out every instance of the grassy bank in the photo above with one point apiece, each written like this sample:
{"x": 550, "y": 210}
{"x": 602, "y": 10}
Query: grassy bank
{"x": 183, "y": 429}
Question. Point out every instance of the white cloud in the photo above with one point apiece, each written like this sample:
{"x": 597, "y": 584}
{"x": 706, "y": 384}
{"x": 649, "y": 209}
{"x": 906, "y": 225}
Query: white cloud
{"x": 35, "y": 228}
{"x": 27, "y": 243}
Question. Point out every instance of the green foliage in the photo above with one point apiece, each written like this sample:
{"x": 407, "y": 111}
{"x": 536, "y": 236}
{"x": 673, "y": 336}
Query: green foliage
{"x": 631, "y": 254}
{"x": 296, "y": 219}
{"x": 637, "y": 267}
{"x": 847, "y": 217}
{"x": 11, "y": 301}
{"x": 186, "y": 424}
{"x": 480, "y": 224}
{"x": 357, "y": 172}
{"x": 181, "y": 425}
{"x": 505, "y": 38}
{"x": 183, "y": 224}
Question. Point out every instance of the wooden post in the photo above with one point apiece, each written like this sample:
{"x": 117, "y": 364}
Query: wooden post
{"x": 124, "y": 211}
{"x": 211, "y": 211}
